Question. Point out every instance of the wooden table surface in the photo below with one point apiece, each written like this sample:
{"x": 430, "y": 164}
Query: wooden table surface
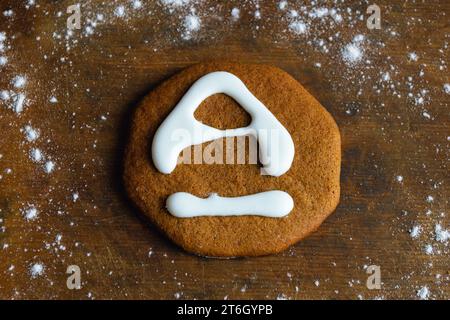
{"x": 391, "y": 104}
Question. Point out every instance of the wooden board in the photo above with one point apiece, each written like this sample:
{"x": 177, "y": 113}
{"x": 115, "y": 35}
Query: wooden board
{"x": 391, "y": 107}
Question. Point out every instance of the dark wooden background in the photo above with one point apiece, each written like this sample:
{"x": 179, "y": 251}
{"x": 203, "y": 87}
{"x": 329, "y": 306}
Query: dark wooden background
{"x": 98, "y": 79}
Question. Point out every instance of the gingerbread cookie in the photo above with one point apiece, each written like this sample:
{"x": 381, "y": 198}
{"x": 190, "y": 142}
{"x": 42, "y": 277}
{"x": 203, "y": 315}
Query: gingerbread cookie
{"x": 233, "y": 160}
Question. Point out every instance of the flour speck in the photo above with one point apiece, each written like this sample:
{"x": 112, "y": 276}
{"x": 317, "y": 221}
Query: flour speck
{"x": 426, "y": 114}
{"x": 175, "y": 3}
{"x": 282, "y": 5}
{"x": 447, "y": 88}
{"x": 19, "y": 81}
{"x": 8, "y": 13}
{"x": 441, "y": 235}
{"x": 30, "y": 3}
{"x": 423, "y": 293}
{"x": 19, "y": 102}
{"x": 191, "y": 25}
{"x": 119, "y": 11}
{"x": 5, "y": 95}
{"x": 352, "y": 52}
{"x": 3, "y": 60}
{"x": 413, "y": 56}
{"x": 282, "y": 296}
{"x": 36, "y": 155}
{"x": 30, "y": 213}
{"x": 137, "y": 4}
{"x": 235, "y": 13}
{"x": 37, "y": 270}
{"x": 31, "y": 134}
{"x": 429, "y": 249}
{"x": 49, "y": 166}
{"x": 415, "y": 231}
{"x": 298, "y": 27}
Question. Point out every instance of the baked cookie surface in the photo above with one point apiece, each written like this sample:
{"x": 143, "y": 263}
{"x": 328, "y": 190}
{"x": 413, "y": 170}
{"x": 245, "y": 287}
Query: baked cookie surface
{"x": 312, "y": 180}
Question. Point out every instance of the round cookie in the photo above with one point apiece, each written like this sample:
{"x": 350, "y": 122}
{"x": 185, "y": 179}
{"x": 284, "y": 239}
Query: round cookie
{"x": 312, "y": 180}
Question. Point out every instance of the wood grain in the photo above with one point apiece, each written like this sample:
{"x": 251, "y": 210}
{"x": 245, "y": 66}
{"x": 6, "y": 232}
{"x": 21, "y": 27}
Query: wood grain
{"x": 102, "y": 77}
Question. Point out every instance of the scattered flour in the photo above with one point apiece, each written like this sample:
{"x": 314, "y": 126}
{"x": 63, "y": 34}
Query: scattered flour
{"x": 172, "y": 5}
{"x": 119, "y": 11}
{"x": 415, "y": 231}
{"x": 175, "y": 3}
{"x": 423, "y": 293}
{"x": 3, "y": 60}
{"x": 316, "y": 13}
{"x": 19, "y": 102}
{"x": 358, "y": 38}
{"x": 282, "y": 296}
{"x": 235, "y": 13}
{"x": 352, "y": 53}
{"x": 293, "y": 14}
{"x": 37, "y": 270}
{"x": 429, "y": 249}
{"x": 31, "y": 134}
{"x": 36, "y": 155}
{"x": 30, "y": 213}
{"x": 426, "y": 115}
{"x": 298, "y": 27}
{"x": 19, "y": 81}
{"x": 5, "y": 95}
{"x": 386, "y": 77}
{"x": 441, "y": 235}
{"x": 413, "y": 56}
{"x": 13, "y": 101}
{"x": 336, "y": 16}
{"x": 30, "y": 3}
{"x": 137, "y": 4}
{"x": 191, "y": 24}
{"x": 282, "y": 5}
{"x": 49, "y": 166}
{"x": 447, "y": 88}
{"x": 8, "y": 13}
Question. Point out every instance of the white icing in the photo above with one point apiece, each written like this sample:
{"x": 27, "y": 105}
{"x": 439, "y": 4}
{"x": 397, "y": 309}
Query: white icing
{"x": 276, "y": 155}
{"x": 275, "y": 204}
{"x": 180, "y": 130}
